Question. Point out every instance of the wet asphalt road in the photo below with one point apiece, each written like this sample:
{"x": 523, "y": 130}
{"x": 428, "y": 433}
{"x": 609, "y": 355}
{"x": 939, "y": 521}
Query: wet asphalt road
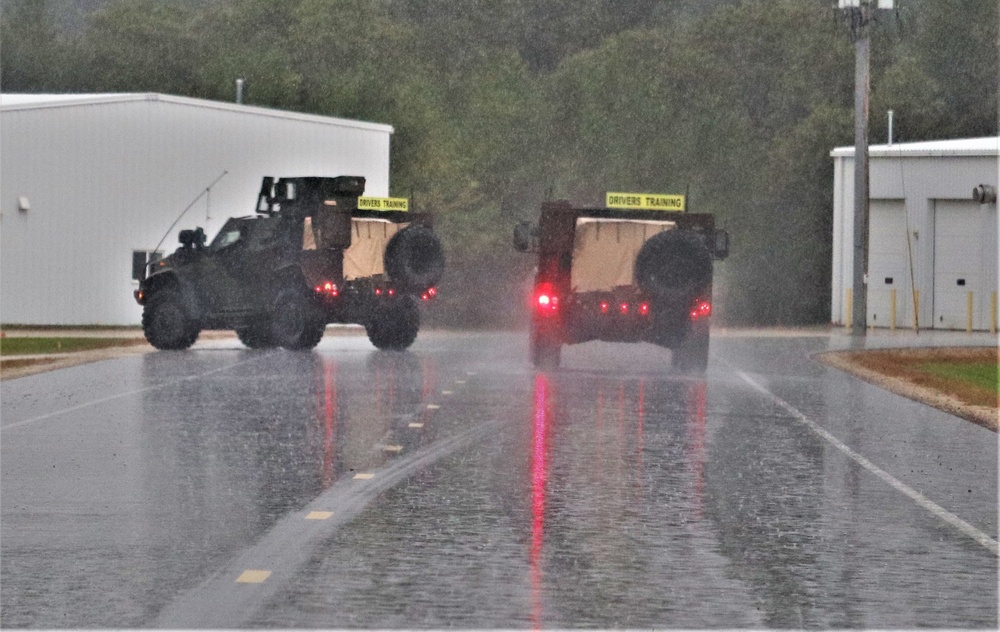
{"x": 453, "y": 486}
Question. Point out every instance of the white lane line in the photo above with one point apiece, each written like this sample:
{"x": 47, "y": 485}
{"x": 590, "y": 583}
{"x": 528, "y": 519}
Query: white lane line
{"x": 914, "y": 495}
{"x": 25, "y": 422}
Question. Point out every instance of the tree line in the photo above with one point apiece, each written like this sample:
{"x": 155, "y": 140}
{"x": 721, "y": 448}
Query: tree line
{"x": 500, "y": 104}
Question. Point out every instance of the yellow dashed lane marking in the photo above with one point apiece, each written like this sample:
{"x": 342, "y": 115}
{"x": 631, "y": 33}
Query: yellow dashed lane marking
{"x": 393, "y": 448}
{"x": 416, "y": 425}
{"x": 433, "y": 406}
{"x": 363, "y": 477}
{"x": 318, "y": 515}
{"x": 253, "y": 577}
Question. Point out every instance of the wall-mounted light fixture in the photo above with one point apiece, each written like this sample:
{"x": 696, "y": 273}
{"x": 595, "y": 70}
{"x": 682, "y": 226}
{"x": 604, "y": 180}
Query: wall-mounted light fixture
{"x": 984, "y": 194}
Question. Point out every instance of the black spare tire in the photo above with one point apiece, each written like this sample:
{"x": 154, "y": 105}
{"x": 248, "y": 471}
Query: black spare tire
{"x": 673, "y": 261}
{"x": 414, "y": 258}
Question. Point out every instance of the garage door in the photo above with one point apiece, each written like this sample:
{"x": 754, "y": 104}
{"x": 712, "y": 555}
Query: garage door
{"x": 888, "y": 265}
{"x": 960, "y": 263}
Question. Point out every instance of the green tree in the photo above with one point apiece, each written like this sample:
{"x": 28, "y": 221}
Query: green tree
{"x": 140, "y": 45}
{"x": 33, "y": 54}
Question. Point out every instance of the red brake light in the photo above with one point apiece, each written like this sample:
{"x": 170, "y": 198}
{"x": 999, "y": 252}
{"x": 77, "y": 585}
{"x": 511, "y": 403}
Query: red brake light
{"x": 623, "y": 308}
{"x": 702, "y": 309}
{"x": 604, "y": 307}
{"x": 432, "y": 292}
{"x": 546, "y": 300}
{"x": 327, "y": 288}
{"x": 644, "y": 309}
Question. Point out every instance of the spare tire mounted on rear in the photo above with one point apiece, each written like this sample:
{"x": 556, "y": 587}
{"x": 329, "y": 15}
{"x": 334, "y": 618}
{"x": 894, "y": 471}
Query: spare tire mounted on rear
{"x": 673, "y": 261}
{"x": 414, "y": 258}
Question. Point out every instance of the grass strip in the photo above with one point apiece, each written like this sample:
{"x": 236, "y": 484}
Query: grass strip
{"x": 981, "y": 374}
{"x": 33, "y": 346}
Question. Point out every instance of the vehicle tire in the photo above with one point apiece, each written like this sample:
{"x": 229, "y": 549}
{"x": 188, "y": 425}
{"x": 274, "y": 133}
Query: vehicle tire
{"x": 414, "y": 259}
{"x": 546, "y": 349}
{"x": 256, "y": 336}
{"x": 166, "y": 323}
{"x": 691, "y": 356}
{"x": 394, "y": 326}
{"x": 296, "y": 323}
{"x": 673, "y": 261}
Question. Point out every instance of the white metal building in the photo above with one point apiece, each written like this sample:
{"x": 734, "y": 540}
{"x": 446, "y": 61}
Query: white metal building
{"x": 924, "y": 225}
{"x": 88, "y": 182}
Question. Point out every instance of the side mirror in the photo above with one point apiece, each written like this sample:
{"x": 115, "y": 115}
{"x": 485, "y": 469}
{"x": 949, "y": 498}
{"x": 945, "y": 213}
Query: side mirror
{"x": 525, "y": 237}
{"x": 720, "y": 249}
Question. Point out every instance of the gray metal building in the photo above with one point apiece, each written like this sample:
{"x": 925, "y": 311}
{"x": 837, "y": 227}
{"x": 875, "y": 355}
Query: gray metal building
{"x": 91, "y": 183}
{"x": 932, "y": 247}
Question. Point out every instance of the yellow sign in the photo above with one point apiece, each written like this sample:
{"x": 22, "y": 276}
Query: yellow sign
{"x": 383, "y": 204}
{"x": 645, "y": 201}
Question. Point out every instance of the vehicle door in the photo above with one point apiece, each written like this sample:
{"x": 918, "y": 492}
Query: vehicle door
{"x": 225, "y": 272}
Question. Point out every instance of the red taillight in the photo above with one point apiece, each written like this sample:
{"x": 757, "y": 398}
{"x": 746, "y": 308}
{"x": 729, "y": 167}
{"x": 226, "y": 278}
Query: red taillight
{"x": 378, "y": 291}
{"x": 546, "y": 300}
{"x": 702, "y": 309}
{"x": 432, "y": 292}
{"x": 644, "y": 309}
{"x": 604, "y": 307}
{"x": 623, "y": 308}
{"x": 327, "y": 288}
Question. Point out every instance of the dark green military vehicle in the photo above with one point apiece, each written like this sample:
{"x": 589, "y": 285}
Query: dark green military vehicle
{"x": 308, "y": 257}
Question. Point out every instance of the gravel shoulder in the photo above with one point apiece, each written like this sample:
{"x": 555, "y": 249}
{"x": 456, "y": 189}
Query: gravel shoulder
{"x": 896, "y": 381}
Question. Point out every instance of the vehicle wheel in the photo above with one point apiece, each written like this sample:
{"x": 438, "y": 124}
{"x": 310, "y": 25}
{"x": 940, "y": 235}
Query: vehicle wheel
{"x": 691, "y": 356}
{"x": 296, "y": 323}
{"x": 394, "y": 326}
{"x": 256, "y": 336}
{"x": 546, "y": 349}
{"x": 166, "y": 324}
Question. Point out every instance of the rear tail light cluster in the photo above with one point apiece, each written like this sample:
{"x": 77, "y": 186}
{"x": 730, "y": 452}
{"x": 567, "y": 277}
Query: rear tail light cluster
{"x": 625, "y": 308}
{"x": 546, "y": 300}
{"x": 429, "y": 294}
{"x": 701, "y": 309}
{"x": 388, "y": 292}
{"x": 327, "y": 289}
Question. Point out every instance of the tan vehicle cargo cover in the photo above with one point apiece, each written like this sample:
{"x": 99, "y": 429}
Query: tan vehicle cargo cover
{"x": 604, "y": 251}
{"x": 368, "y": 240}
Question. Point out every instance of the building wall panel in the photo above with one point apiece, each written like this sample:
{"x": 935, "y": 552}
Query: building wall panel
{"x": 923, "y": 180}
{"x": 104, "y": 179}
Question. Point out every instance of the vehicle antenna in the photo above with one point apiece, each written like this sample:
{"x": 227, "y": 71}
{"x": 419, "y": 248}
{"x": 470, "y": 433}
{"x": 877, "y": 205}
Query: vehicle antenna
{"x": 198, "y": 197}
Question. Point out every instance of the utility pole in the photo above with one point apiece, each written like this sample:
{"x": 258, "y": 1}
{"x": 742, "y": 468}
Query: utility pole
{"x": 859, "y": 14}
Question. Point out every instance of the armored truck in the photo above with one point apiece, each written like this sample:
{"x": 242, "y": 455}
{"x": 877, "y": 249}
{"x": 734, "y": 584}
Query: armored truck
{"x": 629, "y": 274}
{"x": 315, "y": 252}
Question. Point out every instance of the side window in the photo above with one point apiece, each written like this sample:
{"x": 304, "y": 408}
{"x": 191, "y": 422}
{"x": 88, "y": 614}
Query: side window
{"x": 226, "y": 238}
{"x": 140, "y": 260}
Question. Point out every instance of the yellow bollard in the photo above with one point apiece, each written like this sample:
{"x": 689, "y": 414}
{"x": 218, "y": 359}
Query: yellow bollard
{"x": 968, "y": 308}
{"x": 892, "y": 310}
{"x": 850, "y": 308}
{"x": 993, "y": 313}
